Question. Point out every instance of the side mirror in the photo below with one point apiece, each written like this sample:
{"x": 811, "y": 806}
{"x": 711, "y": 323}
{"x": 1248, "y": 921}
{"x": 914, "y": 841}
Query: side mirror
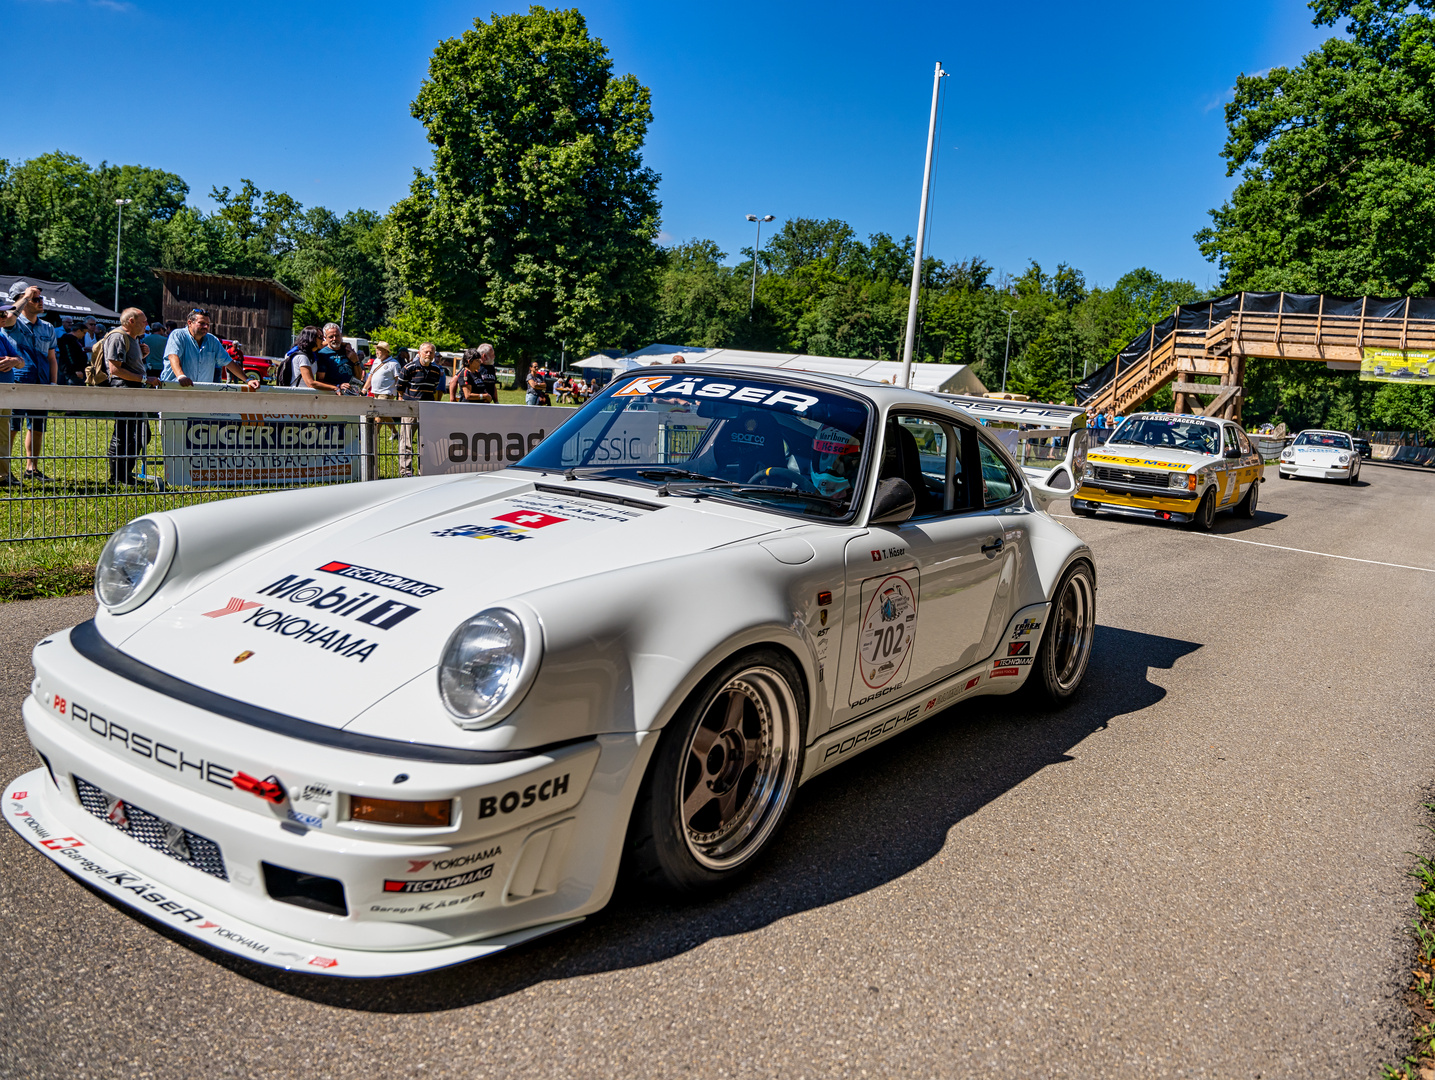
{"x": 894, "y": 503}
{"x": 1233, "y": 452}
{"x": 1057, "y": 484}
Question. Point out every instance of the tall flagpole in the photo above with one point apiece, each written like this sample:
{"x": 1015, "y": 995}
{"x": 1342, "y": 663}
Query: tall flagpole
{"x": 921, "y": 234}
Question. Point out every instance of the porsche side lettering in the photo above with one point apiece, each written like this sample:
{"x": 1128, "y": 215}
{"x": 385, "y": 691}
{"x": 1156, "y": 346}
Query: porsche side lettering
{"x": 510, "y": 801}
{"x": 468, "y": 877}
{"x": 171, "y": 757}
{"x": 386, "y": 615}
{"x": 892, "y": 723}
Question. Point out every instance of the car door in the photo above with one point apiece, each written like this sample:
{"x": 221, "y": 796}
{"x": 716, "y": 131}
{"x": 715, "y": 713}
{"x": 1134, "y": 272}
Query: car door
{"x": 924, "y": 595}
{"x": 1230, "y": 468}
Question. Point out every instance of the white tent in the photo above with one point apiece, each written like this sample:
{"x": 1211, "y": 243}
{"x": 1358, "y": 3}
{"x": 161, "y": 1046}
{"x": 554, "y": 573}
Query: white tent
{"x": 933, "y": 378}
{"x": 598, "y": 362}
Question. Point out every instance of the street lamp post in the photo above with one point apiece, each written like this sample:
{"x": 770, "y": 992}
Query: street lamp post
{"x": 1009, "y": 313}
{"x": 120, "y": 205}
{"x": 752, "y": 297}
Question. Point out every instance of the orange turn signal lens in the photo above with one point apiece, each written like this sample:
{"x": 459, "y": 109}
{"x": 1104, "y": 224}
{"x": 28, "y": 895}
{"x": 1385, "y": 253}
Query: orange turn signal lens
{"x": 432, "y": 814}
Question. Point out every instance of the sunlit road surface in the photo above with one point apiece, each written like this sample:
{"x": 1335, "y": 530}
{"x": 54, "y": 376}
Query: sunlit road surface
{"x": 1197, "y": 869}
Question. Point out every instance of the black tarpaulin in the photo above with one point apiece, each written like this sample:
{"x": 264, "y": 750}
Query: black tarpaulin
{"x": 61, "y": 298}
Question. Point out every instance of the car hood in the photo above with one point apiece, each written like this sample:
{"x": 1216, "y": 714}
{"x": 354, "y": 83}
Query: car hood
{"x": 327, "y": 624}
{"x": 1159, "y": 457}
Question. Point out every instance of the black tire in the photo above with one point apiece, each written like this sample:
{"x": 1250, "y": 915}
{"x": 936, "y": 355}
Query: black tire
{"x": 729, "y": 737}
{"x": 1247, "y": 506}
{"x": 1065, "y": 650}
{"x": 1205, "y": 516}
{"x": 1284, "y": 475}
{"x": 1354, "y": 474}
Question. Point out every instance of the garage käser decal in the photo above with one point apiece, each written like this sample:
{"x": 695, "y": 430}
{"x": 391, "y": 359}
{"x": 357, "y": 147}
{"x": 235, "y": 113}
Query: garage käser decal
{"x": 148, "y": 897}
{"x": 700, "y": 387}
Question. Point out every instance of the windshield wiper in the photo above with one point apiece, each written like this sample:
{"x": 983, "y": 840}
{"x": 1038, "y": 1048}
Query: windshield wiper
{"x": 668, "y": 472}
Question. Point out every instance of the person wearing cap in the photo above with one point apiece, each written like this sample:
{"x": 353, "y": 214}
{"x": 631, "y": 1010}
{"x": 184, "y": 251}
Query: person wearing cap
{"x": 195, "y": 355}
{"x": 383, "y": 381}
{"x": 9, "y": 362}
{"x": 35, "y": 341}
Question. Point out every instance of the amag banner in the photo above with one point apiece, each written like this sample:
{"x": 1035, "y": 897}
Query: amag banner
{"x": 460, "y": 437}
{"x": 258, "y": 449}
{"x": 1413, "y": 366}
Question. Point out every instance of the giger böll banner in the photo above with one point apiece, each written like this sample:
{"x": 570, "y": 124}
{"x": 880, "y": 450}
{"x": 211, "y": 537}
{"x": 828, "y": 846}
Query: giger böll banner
{"x": 258, "y": 449}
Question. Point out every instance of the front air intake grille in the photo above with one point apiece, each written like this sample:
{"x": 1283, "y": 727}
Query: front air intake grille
{"x": 1138, "y": 477}
{"x": 305, "y": 890}
{"x": 152, "y": 831}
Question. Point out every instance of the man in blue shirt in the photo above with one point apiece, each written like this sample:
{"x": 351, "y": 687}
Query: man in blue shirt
{"x": 34, "y": 339}
{"x": 9, "y": 361}
{"x": 195, "y": 355}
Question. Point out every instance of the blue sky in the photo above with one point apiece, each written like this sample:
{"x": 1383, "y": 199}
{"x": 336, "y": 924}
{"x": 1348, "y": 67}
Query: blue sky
{"x": 1086, "y": 135}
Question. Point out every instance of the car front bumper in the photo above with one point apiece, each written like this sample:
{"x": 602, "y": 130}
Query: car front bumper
{"x": 534, "y": 843}
{"x": 1156, "y": 507}
{"x": 1340, "y": 472}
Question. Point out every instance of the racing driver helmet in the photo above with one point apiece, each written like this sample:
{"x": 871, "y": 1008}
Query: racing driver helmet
{"x": 835, "y": 456}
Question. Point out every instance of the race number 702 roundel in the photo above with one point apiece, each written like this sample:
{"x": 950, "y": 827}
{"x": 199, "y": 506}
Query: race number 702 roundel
{"x": 889, "y": 627}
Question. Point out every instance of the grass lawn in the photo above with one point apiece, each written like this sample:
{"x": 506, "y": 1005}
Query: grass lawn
{"x": 80, "y": 500}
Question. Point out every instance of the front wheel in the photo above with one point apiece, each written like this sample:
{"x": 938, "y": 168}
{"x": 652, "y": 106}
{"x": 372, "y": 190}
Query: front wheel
{"x": 724, "y": 775}
{"x": 1205, "y": 517}
{"x": 1354, "y": 474}
{"x": 1247, "y": 506}
{"x": 1065, "y": 650}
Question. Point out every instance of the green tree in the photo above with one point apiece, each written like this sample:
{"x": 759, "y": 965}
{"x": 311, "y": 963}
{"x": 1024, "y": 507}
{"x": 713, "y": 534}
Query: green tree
{"x": 536, "y": 222}
{"x": 416, "y": 320}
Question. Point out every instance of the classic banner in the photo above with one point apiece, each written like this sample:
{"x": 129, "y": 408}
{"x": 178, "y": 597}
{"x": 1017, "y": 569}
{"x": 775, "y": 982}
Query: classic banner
{"x": 1413, "y": 366}
{"x": 459, "y": 437}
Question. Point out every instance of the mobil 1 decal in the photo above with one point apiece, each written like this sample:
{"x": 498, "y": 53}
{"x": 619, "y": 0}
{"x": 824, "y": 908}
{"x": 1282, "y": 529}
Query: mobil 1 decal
{"x": 885, "y": 636}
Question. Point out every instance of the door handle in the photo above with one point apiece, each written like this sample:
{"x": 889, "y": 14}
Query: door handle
{"x": 991, "y": 549}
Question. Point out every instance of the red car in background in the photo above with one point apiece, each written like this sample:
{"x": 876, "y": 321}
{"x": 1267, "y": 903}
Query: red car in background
{"x": 256, "y": 367}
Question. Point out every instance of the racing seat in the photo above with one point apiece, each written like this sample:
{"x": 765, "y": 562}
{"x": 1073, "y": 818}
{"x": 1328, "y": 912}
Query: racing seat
{"x": 902, "y": 461}
{"x": 747, "y": 445}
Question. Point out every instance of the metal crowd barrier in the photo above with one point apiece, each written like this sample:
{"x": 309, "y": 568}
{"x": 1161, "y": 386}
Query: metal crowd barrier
{"x": 184, "y": 446}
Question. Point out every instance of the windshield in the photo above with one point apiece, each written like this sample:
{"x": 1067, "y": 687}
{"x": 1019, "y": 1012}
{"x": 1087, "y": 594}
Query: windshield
{"x": 797, "y": 450}
{"x": 1329, "y": 439}
{"x": 1175, "y": 433}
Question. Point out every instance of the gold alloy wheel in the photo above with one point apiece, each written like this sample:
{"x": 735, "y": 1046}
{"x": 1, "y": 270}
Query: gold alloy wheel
{"x": 740, "y": 768}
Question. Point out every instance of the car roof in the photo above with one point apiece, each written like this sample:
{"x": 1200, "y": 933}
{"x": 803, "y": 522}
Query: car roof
{"x": 883, "y": 395}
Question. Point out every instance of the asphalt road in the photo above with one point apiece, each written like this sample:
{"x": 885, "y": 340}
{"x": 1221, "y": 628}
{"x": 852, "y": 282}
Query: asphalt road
{"x": 1197, "y": 869}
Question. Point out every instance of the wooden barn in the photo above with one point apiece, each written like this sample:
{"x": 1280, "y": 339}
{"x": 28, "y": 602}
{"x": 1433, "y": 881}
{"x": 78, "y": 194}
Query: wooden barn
{"x": 256, "y": 312}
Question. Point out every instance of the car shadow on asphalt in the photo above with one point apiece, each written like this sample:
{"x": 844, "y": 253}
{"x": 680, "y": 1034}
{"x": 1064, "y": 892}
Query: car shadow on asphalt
{"x": 853, "y": 830}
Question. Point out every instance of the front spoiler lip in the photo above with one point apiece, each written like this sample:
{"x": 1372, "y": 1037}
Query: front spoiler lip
{"x": 96, "y": 866}
{"x": 1131, "y": 511}
{"x": 1316, "y": 471}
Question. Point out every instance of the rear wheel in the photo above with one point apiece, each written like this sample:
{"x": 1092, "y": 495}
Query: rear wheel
{"x": 1065, "y": 650}
{"x": 1205, "y": 516}
{"x": 724, "y": 775}
{"x": 1247, "y": 507}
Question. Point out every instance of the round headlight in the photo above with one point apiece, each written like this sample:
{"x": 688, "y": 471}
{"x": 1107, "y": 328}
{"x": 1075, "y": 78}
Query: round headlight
{"x": 133, "y": 563}
{"x": 486, "y": 663}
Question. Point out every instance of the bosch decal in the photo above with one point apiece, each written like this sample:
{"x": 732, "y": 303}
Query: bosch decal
{"x": 510, "y": 801}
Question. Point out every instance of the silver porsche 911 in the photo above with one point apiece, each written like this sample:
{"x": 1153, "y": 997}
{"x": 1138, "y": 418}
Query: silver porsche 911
{"x": 381, "y": 728}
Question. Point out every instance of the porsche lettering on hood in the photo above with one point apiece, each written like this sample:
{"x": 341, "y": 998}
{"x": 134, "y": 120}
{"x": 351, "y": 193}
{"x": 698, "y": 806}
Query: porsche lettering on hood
{"x": 340, "y": 619}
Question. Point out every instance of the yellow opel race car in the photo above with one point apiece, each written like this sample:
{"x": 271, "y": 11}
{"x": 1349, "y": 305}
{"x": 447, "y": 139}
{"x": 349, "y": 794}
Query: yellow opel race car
{"x": 1172, "y": 467}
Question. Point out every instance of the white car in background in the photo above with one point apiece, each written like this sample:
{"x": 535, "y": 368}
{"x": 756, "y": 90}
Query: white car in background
{"x": 381, "y": 728}
{"x": 1325, "y": 455}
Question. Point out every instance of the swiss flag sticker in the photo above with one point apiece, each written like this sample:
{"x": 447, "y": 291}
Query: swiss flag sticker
{"x": 530, "y": 519}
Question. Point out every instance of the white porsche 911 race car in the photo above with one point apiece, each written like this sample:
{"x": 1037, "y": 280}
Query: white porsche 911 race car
{"x": 317, "y": 730}
{"x": 1325, "y": 455}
